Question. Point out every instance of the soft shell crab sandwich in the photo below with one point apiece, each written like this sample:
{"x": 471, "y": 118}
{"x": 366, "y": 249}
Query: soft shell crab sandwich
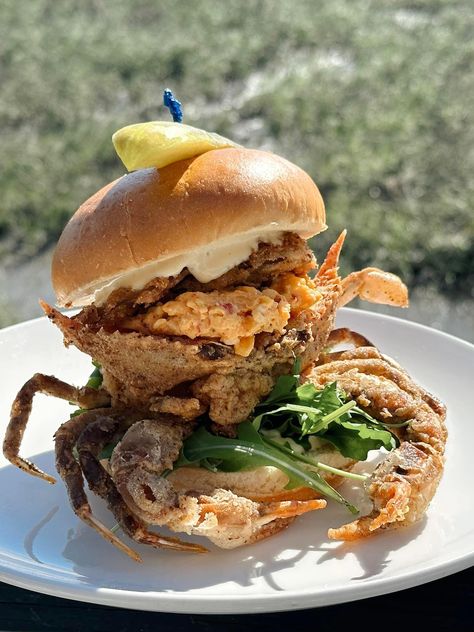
{"x": 218, "y": 406}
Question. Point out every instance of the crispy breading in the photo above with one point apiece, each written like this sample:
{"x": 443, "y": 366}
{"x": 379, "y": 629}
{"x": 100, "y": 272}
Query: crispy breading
{"x": 138, "y": 368}
{"x": 403, "y": 484}
{"x": 187, "y": 408}
{"x": 123, "y": 303}
{"x": 231, "y": 398}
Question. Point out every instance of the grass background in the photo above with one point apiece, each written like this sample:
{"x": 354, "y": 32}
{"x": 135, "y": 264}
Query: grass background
{"x": 373, "y": 99}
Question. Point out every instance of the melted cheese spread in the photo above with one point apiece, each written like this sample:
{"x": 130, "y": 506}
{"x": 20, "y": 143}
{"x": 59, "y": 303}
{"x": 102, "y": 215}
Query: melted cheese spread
{"x": 232, "y": 316}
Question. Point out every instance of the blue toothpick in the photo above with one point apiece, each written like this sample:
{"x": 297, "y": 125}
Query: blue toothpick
{"x": 173, "y": 105}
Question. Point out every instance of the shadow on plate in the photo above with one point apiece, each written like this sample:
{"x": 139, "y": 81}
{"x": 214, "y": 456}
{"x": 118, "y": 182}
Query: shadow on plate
{"x": 373, "y": 560}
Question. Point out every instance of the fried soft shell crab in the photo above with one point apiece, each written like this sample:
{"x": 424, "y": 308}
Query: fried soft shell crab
{"x": 198, "y": 292}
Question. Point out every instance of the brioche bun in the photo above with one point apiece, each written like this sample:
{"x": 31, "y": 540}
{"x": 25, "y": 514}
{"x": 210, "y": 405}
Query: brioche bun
{"x": 152, "y": 215}
{"x": 265, "y": 483}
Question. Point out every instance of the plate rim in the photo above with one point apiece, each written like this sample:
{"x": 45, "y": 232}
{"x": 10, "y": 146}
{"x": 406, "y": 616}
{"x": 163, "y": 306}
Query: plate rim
{"x": 287, "y": 600}
{"x": 221, "y": 604}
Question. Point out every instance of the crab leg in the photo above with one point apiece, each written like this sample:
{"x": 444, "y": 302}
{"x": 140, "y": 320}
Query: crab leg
{"x": 375, "y": 286}
{"x": 91, "y": 442}
{"x": 403, "y": 484}
{"x": 328, "y": 269}
{"x": 368, "y": 367}
{"x": 138, "y": 464}
{"x": 21, "y": 409}
{"x": 343, "y": 336}
{"x": 70, "y": 471}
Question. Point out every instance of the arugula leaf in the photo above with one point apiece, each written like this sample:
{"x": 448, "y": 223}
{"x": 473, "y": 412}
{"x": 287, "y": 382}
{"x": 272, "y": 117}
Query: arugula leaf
{"x": 283, "y": 389}
{"x": 285, "y": 386}
{"x": 324, "y": 402}
{"x": 298, "y": 411}
{"x": 94, "y": 381}
{"x": 354, "y": 439}
{"x": 249, "y": 451}
{"x": 306, "y": 392}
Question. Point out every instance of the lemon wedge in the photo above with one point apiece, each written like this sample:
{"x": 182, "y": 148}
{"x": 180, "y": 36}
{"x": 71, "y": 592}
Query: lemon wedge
{"x": 160, "y": 143}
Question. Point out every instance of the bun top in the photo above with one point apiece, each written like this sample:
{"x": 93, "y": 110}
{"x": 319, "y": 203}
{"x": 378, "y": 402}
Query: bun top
{"x": 206, "y": 213}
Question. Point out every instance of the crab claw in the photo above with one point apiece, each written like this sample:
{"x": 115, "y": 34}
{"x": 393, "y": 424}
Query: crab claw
{"x": 375, "y": 286}
{"x": 290, "y": 508}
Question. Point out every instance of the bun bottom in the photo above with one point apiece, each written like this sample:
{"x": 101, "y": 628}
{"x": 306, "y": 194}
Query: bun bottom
{"x": 264, "y": 484}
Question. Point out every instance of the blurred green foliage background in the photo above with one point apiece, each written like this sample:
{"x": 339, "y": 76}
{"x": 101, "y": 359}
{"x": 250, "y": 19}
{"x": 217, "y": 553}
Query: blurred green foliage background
{"x": 373, "y": 99}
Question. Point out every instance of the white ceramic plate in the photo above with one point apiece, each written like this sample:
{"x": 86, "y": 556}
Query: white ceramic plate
{"x": 44, "y": 547}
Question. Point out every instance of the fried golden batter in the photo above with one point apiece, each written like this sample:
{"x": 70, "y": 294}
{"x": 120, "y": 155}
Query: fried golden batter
{"x": 139, "y": 367}
{"x": 403, "y": 484}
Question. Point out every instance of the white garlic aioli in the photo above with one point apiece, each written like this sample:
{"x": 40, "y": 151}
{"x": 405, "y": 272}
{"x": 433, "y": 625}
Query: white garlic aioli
{"x": 205, "y": 263}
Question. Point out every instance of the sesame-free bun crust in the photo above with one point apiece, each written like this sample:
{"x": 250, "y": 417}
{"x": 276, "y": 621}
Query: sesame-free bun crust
{"x": 149, "y": 215}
